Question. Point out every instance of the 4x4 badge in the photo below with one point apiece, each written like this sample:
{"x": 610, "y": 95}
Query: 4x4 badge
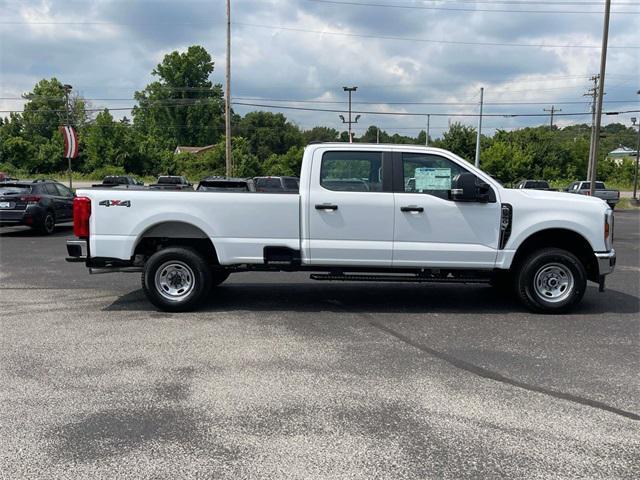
{"x": 115, "y": 203}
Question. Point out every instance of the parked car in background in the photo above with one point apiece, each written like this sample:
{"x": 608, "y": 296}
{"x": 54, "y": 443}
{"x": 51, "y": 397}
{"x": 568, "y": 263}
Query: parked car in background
{"x": 226, "y": 184}
{"x": 112, "y": 181}
{"x": 612, "y": 197}
{"x": 277, "y": 184}
{"x": 171, "y": 182}
{"x": 535, "y": 185}
{"x": 39, "y": 204}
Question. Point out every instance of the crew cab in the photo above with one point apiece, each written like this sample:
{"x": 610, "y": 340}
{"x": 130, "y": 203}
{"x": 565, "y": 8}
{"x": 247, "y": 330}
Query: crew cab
{"x": 364, "y": 212}
{"x": 612, "y": 197}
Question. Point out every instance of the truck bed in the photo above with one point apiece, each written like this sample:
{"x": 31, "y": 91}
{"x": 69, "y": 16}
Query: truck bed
{"x": 241, "y": 222}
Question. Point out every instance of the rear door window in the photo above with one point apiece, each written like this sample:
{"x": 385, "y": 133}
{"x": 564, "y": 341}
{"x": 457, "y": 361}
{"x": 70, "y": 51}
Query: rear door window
{"x": 50, "y": 188}
{"x": 63, "y": 191}
{"x": 352, "y": 171}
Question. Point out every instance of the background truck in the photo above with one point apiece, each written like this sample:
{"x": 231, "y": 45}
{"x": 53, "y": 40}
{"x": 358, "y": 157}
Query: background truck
{"x": 535, "y": 185}
{"x": 612, "y": 197}
{"x": 171, "y": 182}
{"x": 112, "y": 181}
{"x": 363, "y": 213}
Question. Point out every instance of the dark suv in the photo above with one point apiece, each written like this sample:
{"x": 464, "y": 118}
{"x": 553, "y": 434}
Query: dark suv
{"x": 38, "y": 204}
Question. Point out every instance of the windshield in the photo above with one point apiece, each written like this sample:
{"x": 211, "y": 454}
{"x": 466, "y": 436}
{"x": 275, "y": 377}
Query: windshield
{"x": 15, "y": 189}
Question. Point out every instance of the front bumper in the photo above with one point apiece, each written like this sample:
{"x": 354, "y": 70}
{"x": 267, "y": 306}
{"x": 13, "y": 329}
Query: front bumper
{"x": 606, "y": 262}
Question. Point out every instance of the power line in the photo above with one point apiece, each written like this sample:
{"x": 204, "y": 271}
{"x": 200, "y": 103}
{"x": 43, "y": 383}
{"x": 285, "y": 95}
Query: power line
{"x": 487, "y": 10}
{"x": 424, "y": 40}
{"x": 328, "y": 102}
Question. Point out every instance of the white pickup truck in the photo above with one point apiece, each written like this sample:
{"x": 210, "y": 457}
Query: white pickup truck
{"x": 392, "y": 213}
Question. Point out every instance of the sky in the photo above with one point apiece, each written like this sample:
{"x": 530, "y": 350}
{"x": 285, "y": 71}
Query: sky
{"x": 527, "y": 54}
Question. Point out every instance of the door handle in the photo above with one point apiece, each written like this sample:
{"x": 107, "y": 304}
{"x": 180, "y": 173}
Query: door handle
{"x": 412, "y": 208}
{"x": 326, "y": 206}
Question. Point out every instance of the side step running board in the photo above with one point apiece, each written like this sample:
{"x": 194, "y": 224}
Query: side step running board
{"x": 395, "y": 278}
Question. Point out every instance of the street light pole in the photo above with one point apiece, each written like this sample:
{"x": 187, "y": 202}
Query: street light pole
{"x": 350, "y": 90}
{"x": 227, "y": 98}
{"x": 426, "y": 142}
{"x": 477, "y": 162}
{"x": 603, "y": 67}
{"x": 67, "y": 90}
{"x": 635, "y": 175}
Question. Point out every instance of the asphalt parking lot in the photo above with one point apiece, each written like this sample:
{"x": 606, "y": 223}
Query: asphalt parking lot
{"x": 282, "y": 377}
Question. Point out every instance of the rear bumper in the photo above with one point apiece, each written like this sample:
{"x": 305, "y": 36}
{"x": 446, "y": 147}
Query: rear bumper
{"x": 606, "y": 262}
{"x": 12, "y": 217}
{"x": 77, "y": 251}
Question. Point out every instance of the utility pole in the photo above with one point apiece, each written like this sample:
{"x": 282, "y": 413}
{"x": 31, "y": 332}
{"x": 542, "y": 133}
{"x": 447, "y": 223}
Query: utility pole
{"x": 426, "y": 141}
{"x": 592, "y": 92}
{"x": 227, "y": 99}
{"x": 635, "y": 175}
{"x": 603, "y": 67}
{"x": 552, "y": 110}
{"x": 349, "y": 90}
{"x": 477, "y": 162}
{"x": 67, "y": 90}
{"x": 377, "y": 134}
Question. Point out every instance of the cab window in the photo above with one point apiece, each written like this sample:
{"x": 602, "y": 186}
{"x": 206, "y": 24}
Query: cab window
{"x": 352, "y": 171}
{"x": 429, "y": 174}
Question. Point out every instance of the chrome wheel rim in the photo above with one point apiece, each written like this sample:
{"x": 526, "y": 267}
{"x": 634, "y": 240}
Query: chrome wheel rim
{"x": 174, "y": 280}
{"x": 553, "y": 282}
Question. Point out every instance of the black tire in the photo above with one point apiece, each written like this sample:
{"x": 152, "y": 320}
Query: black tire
{"x": 218, "y": 276}
{"x": 176, "y": 279}
{"x": 551, "y": 280}
{"x": 48, "y": 224}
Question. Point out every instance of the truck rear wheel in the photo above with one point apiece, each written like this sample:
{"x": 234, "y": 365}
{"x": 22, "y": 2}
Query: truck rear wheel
{"x": 551, "y": 280}
{"x": 176, "y": 279}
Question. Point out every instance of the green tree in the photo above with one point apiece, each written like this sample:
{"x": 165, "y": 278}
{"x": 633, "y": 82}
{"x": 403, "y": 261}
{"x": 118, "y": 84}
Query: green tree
{"x": 106, "y": 142}
{"x": 459, "y": 139}
{"x": 320, "y": 134}
{"x": 269, "y": 133}
{"x": 182, "y": 107}
{"x": 45, "y": 110}
{"x": 287, "y": 164}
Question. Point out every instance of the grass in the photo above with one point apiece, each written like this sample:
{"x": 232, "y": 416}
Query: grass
{"x": 627, "y": 204}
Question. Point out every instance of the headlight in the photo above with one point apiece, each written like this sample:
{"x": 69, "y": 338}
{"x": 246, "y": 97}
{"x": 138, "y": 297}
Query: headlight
{"x": 608, "y": 229}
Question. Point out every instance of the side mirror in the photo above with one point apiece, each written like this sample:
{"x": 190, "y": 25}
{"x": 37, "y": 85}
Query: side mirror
{"x": 466, "y": 187}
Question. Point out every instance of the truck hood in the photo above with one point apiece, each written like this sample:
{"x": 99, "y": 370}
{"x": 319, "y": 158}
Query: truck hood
{"x": 559, "y": 199}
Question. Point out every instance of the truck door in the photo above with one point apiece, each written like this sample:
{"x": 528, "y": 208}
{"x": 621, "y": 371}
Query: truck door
{"x": 431, "y": 230}
{"x": 350, "y": 208}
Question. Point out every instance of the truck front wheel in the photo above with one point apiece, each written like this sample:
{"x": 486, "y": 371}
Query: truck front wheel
{"x": 551, "y": 280}
{"x": 176, "y": 279}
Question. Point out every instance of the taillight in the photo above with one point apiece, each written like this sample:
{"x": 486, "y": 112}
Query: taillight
{"x": 81, "y": 215}
{"x": 31, "y": 199}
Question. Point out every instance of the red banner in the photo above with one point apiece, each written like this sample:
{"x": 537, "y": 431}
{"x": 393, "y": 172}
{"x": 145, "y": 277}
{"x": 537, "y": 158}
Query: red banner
{"x": 70, "y": 142}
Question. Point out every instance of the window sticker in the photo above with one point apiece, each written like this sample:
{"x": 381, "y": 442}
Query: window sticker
{"x": 432, "y": 179}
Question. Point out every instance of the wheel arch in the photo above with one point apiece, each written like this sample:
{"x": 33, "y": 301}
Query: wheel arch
{"x": 564, "y": 238}
{"x": 171, "y": 233}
